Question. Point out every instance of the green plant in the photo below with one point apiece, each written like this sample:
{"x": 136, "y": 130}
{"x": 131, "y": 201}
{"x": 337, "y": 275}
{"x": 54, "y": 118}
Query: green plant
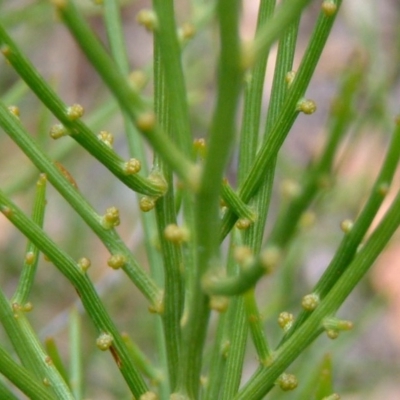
{"x": 191, "y": 273}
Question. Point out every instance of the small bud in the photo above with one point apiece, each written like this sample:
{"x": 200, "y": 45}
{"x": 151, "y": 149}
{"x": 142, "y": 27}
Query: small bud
{"x": 57, "y": 131}
{"x": 290, "y": 189}
{"x": 397, "y": 120}
{"x": 107, "y": 138}
{"x": 137, "y": 79}
{"x": 346, "y": 225}
{"x": 225, "y": 347}
{"x": 310, "y": 302}
{"x": 30, "y": 258}
{"x": 199, "y": 146}
{"x": 243, "y": 255}
{"x": 84, "y": 264}
{"x": 383, "y": 189}
{"x": 104, "y": 341}
{"x": 46, "y": 382}
{"x": 147, "y": 203}
{"x": 289, "y": 78}
{"x": 27, "y": 307}
{"x": 5, "y": 50}
{"x": 42, "y": 180}
{"x": 98, "y": 2}
{"x": 111, "y": 218}
{"x": 329, "y": 8}
{"x": 243, "y": 223}
{"x": 287, "y": 382}
{"x": 148, "y": 396}
{"x": 333, "y": 326}
{"x": 48, "y": 360}
{"x": 306, "y": 106}
{"x": 307, "y": 219}
{"x": 332, "y": 334}
{"x": 186, "y": 32}
{"x": 285, "y": 320}
{"x": 116, "y": 261}
{"x": 132, "y": 166}
{"x": 270, "y": 258}
{"x": 7, "y": 211}
{"x": 146, "y": 121}
{"x": 148, "y": 19}
{"x": 176, "y": 234}
{"x": 338, "y": 324}
{"x": 75, "y": 112}
{"x": 14, "y": 110}
{"x": 219, "y": 303}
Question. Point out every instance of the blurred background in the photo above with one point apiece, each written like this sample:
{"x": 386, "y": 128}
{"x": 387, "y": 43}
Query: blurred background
{"x": 366, "y": 360}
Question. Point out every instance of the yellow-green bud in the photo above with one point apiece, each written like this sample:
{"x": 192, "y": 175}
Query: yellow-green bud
{"x": 104, "y": 341}
{"x": 148, "y": 396}
{"x": 176, "y": 234}
{"x": 57, "y": 131}
{"x": 346, "y": 225}
{"x": 329, "y": 7}
{"x": 84, "y": 264}
{"x": 148, "y": 19}
{"x": 243, "y": 223}
{"x": 219, "y": 303}
{"x": 306, "y": 106}
{"x": 270, "y": 257}
{"x": 116, "y": 261}
{"x": 107, "y": 138}
{"x": 287, "y": 382}
{"x": 289, "y": 78}
{"x": 75, "y": 112}
{"x": 285, "y": 320}
{"x": 310, "y": 301}
{"x": 147, "y": 203}
{"x": 132, "y": 166}
{"x": 111, "y": 218}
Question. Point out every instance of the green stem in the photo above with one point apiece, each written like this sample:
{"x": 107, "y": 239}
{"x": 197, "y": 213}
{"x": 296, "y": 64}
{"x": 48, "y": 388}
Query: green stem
{"x": 253, "y": 97}
{"x": 5, "y": 392}
{"x": 77, "y": 129}
{"x": 263, "y": 380}
{"x": 287, "y": 13}
{"x": 29, "y": 350}
{"x": 256, "y": 327}
{"x": 321, "y": 170}
{"x": 207, "y": 199}
{"x": 136, "y": 148}
{"x": 110, "y": 238}
{"x": 129, "y": 100}
{"x": 351, "y": 241}
{"x": 287, "y": 115}
{"x": 22, "y": 378}
{"x": 75, "y": 338}
{"x": 54, "y": 354}
{"x": 170, "y": 52}
{"x": 26, "y": 280}
{"x": 165, "y": 215}
{"x": 85, "y": 289}
{"x": 235, "y": 203}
